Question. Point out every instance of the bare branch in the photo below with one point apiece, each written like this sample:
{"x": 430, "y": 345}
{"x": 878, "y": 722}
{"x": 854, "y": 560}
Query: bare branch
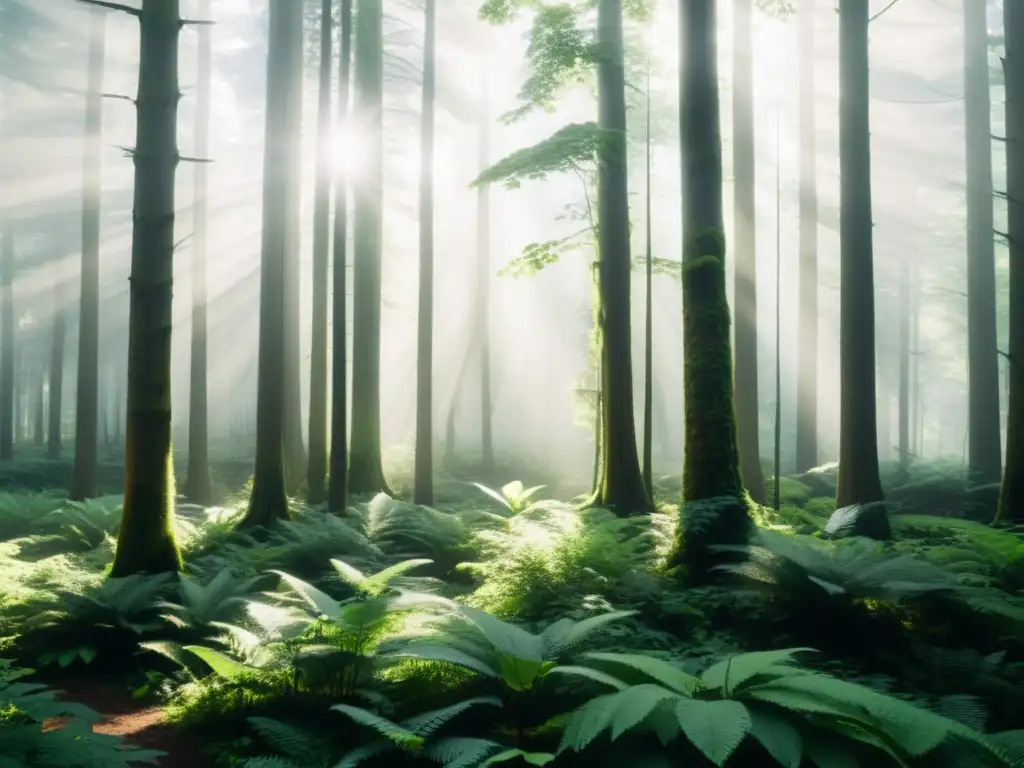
{"x": 194, "y": 159}
{"x": 120, "y": 96}
{"x": 890, "y": 5}
{"x": 196, "y": 23}
{"x": 997, "y": 138}
{"x": 114, "y": 7}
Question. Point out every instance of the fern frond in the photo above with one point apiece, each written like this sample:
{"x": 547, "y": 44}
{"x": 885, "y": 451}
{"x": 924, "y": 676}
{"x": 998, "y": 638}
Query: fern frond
{"x": 393, "y": 732}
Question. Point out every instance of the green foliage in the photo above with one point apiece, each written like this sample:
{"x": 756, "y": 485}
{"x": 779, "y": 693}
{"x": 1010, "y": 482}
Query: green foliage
{"x": 573, "y": 147}
{"x": 513, "y": 497}
{"x": 537, "y": 256}
{"x": 780, "y": 9}
{"x": 24, "y": 743}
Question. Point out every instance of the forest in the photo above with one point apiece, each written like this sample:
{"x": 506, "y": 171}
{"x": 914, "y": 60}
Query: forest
{"x": 607, "y": 383}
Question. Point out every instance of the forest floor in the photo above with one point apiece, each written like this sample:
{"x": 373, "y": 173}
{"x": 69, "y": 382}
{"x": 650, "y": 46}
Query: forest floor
{"x": 139, "y": 723}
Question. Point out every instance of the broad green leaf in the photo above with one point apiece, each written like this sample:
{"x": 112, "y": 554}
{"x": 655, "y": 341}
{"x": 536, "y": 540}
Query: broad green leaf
{"x": 319, "y": 601}
{"x": 659, "y": 671}
{"x": 635, "y": 704}
{"x": 730, "y": 673}
{"x": 223, "y": 666}
{"x": 780, "y": 739}
{"x": 716, "y": 727}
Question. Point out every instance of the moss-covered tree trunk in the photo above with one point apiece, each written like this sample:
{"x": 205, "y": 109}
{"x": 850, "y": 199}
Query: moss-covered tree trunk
{"x": 858, "y": 480}
{"x": 984, "y": 459}
{"x": 198, "y": 488}
{"x": 84, "y": 482}
{"x": 1011, "y": 497}
{"x": 146, "y": 541}
{"x": 622, "y": 486}
{"x": 8, "y": 412}
{"x": 337, "y": 496}
{"x": 366, "y": 469}
{"x": 745, "y": 249}
{"x": 483, "y": 277}
{"x": 423, "y": 484}
{"x": 711, "y": 473}
{"x": 294, "y": 449}
{"x": 56, "y": 378}
{"x": 269, "y": 499}
{"x": 316, "y": 468}
{"x": 807, "y": 379}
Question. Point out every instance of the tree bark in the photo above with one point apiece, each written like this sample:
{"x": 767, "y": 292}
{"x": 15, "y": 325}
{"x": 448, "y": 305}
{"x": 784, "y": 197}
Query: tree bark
{"x": 984, "y": 460}
{"x": 1011, "y": 497}
{"x": 316, "y": 468}
{"x": 8, "y": 411}
{"x": 858, "y": 480}
{"x": 84, "y": 483}
{"x": 337, "y": 499}
{"x": 807, "y": 380}
{"x": 56, "y": 381}
{"x": 648, "y": 441}
{"x": 146, "y": 541}
{"x": 745, "y": 249}
{"x": 483, "y": 276}
{"x": 904, "y": 388}
{"x": 269, "y": 499}
{"x": 423, "y": 485}
{"x": 198, "y": 487}
{"x": 366, "y": 469}
{"x": 622, "y": 486}
{"x": 711, "y": 470}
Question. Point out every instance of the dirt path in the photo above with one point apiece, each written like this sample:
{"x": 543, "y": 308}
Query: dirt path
{"x": 141, "y": 725}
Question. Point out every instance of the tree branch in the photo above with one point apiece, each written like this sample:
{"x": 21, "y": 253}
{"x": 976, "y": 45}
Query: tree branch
{"x": 114, "y": 7}
{"x": 890, "y": 5}
{"x": 194, "y": 159}
{"x": 120, "y": 96}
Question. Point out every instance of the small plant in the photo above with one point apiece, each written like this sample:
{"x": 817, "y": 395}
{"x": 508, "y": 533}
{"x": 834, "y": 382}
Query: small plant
{"x": 514, "y": 497}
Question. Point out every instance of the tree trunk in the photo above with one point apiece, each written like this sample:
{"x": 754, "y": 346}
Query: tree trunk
{"x": 366, "y": 470}
{"x": 269, "y": 499}
{"x": 745, "y": 249}
{"x": 56, "y": 381}
{"x": 294, "y": 450}
{"x": 8, "y": 411}
{"x": 198, "y": 488}
{"x": 423, "y": 485}
{"x": 904, "y": 392}
{"x": 1011, "y": 497}
{"x": 146, "y": 542}
{"x": 711, "y": 465}
{"x": 648, "y": 442}
{"x": 807, "y": 379}
{"x": 858, "y": 480}
{"x": 983, "y": 357}
{"x": 622, "y": 486}
{"x": 483, "y": 276}
{"x": 316, "y": 469}
{"x": 39, "y": 416}
{"x": 87, "y": 383}
{"x": 337, "y": 499}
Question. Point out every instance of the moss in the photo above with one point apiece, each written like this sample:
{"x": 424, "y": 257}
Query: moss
{"x": 792, "y": 493}
{"x": 146, "y": 542}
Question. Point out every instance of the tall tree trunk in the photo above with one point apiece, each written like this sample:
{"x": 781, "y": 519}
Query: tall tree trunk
{"x": 294, "y": 450}
{"x": 316, "y": 469}
{"x": 269, "y": 499}
{"x": 337, "y": 499}
{"x": 8, "y": 411}
{"x": 19, "y": 383}
{"x": 711, "y": 472}
{"x": 745, "y": 249}
{"x": 423, "y": 486}
{"x": 858, "y": 480}
{"x": 483, "y": 277}
{"x": 39, "y": 415}
{"x": 807, "y": 378}
{"x": 904, "y": 388}
{"x": 146, "y": 542}
{"x": 622, "y": 485}
{"x": 56, "y": 377}
{"x": 84, "y": 482}
{"x": 198, "y": 488}
{"x": 1011, "y": 497}
{"x": 648, "y": 443}
{"x": 366, "y": 469}
{"x": 983, "y": 356}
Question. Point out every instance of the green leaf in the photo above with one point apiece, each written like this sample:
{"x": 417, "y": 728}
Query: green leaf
{"x": 659, "y": 671}
{"x": 573, "y": 147}
{"x": 64, "y": 658}
{"x": 716, "y": 728}
{"x": 391, "y": 731}
{"x": 592, "y": 674}
{"x": 780, "y": 739}
{"x": 530, "y": 758}
{"x": 730, "y": 673}
{"x": 444, "y": 653}
{"x": 319, "y": 601}
{"x": 635, "y": 704}
{"x": 222, "y": 666}
{"x": 378, "y": 582}
{"x": 87, "y": 654}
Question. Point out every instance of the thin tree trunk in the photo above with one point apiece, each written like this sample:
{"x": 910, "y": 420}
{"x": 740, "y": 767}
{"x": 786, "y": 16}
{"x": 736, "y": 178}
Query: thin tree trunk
{"x": 84, "y": 483}
{"x": 8, "y": 410}
{"x": 316, "y": 469}
{"x": 269, "y": 499}
{"x": 483, "y": 276}
{"x": 983, "y": 357}
{"x": 1011, "y": 497}
{"x": 56, "y": 380}
{"x": 807, "y": 379}
{"x": 745, "y": 250}
{"x": 337, "y": 499}
{"x": 858, "y": 480}
{"x": 39, "y": 416}
{"x": 622, "y": 485}
{"x": 423, "y": 486}
{"x": 648, "y": 443}
{"x": 711, "y": 465}
{"x": 904, "y": 392}
{"x": 366, "y": 469}
{"x": 146, "y": 541}
{"x": 198, "y": 488}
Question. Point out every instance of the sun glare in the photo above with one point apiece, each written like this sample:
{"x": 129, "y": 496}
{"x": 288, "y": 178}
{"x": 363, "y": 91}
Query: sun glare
{"x": 347, "y": 153}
